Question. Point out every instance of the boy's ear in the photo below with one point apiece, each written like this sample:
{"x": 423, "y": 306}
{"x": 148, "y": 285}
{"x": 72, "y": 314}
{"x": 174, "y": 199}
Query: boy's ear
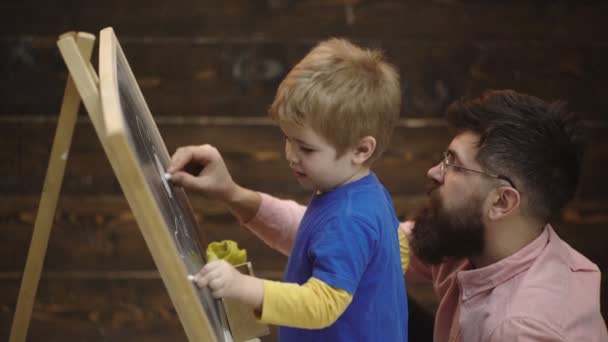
{"x": 364, "y": 149}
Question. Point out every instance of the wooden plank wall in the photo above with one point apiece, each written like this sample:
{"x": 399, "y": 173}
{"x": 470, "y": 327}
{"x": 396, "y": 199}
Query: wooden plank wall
{"x": 208, "y": 70}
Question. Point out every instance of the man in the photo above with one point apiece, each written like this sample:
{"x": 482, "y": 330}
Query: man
{"x": 501, "y": 272}
{"x": 484, "y": 237}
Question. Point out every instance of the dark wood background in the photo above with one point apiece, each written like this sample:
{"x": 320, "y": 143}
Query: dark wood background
{"x": 209, "y": 70}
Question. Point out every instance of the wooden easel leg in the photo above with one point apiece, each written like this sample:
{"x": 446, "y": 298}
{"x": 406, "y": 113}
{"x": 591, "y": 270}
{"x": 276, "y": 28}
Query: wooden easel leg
{"x": 48, "y": 200}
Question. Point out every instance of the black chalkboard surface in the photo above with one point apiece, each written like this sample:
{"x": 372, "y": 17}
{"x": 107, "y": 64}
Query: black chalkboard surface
{"x": 162, "y": 210}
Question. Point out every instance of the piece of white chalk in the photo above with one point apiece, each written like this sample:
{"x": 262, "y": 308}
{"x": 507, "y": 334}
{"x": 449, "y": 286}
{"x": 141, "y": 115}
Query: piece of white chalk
{"x": 191, "y": 277}
{"x": 167, "y": 176}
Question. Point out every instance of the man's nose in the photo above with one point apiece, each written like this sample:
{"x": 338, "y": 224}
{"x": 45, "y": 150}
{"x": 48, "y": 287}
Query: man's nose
{"x": 434, "y": 173}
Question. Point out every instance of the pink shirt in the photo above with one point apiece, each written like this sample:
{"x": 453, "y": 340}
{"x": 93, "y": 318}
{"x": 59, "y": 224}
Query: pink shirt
{"x": 546, "y": 291}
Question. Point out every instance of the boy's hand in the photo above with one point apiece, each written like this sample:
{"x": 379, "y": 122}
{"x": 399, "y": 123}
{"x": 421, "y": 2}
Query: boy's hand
{"x": 222, "y": 279}
{"x": 212, "y": 178}
{"x": 225, "y": 281}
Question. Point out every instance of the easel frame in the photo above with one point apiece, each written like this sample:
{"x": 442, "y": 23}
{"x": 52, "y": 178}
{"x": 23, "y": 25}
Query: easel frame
{"x": 83, "y": 84}
{"x": 50, "y": 192}
{"x": 141, "y": 200}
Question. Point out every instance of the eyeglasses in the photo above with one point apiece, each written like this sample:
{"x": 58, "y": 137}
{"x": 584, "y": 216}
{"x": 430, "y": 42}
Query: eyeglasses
{"x": 446, "y": 162}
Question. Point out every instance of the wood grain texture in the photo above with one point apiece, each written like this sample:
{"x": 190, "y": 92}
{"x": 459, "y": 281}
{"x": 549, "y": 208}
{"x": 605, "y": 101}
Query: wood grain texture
{"x": 98, "y": 309}
{"x": 291, "y": 19}
{"x": 99, "y": 232}
{"x": 254, "y": 155}
{"x": 205, "y": 65}
{"x": 223, "y": 78}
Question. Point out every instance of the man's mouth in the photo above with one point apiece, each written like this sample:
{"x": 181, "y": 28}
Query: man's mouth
{"x": 431, "y": 187}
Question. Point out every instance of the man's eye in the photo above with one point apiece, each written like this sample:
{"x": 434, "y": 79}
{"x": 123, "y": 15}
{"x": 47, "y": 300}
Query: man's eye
{"x": 449, "y": 158}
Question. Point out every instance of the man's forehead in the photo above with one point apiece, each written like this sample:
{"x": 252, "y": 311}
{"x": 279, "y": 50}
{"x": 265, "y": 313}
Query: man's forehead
{"x": 464, "y": 146}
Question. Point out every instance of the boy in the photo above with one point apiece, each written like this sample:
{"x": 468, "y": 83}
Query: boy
{"x": 343, "y": 282}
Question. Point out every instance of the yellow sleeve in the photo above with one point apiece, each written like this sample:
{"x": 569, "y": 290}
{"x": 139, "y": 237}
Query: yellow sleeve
{"x": 313, "y": 305}
{"x": 404, "y": 250}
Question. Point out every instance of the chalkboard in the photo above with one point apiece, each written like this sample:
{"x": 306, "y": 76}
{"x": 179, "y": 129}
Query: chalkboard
{"x": 162, "y": 211}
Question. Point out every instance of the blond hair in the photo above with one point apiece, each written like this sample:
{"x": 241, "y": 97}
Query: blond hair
{"x": 344, "y": 93}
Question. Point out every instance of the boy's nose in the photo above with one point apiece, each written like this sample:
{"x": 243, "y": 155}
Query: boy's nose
{"x": 289, "y": 155}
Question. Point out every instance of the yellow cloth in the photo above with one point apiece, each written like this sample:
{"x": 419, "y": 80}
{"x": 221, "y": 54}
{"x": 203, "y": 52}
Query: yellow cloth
{"x": 226, "y": 250}
{"x": 314, "y": 305}
{"x": 404, "y": 250}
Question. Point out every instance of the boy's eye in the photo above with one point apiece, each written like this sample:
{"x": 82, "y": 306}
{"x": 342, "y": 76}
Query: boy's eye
{"x": 306, "y": 149}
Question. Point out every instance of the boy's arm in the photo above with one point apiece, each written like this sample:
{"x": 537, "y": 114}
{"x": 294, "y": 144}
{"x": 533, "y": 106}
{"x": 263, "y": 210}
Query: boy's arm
{"x": 313, "y": 305}
{"x": 276, "y": 222}
{"x": 272, "y": 220}
{"x": 202, "y": 169}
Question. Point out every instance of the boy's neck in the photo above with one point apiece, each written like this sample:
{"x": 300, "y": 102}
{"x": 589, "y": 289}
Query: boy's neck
{"x": 360, "y": 173}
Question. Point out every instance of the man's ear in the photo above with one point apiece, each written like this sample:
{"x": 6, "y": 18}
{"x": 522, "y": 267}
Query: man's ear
{"x": 505, "y": 201}
{"x": 364, "y": 149}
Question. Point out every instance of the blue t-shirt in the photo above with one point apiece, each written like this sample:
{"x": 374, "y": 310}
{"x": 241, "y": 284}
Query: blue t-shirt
{"x": 348, "y": 239}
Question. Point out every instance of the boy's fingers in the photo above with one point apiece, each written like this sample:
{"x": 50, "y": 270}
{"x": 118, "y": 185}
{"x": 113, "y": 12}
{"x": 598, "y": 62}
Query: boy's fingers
{"x": 208, "y": 266}
{"x": 213, "y": 265}
{"x": 202, "y": 280}
{"x": 208, "y": 271}
{"x": 211, "y": 280}
{"x": 202, "y": 154}
{"x": 180, "y": 158}
{"x": 217, "y": 294}
{"x": 215, "y": 284}
{"x": 189, "y": 154}
{"x": 185, "y": 180}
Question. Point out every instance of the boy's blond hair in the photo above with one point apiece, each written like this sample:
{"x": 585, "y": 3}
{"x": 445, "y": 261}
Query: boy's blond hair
{"x": 344, "y": 93}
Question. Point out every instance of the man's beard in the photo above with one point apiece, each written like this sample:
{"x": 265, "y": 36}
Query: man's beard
{"x": 440, "y": 234}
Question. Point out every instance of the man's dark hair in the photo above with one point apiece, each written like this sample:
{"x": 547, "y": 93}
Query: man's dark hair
{"x": 537, "y": 144}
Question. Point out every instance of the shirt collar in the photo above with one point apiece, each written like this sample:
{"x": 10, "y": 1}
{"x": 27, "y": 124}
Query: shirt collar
{"x": 478, "y": 280}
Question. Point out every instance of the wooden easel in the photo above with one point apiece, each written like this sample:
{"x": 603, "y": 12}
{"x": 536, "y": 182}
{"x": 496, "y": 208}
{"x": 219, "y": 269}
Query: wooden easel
{"x": 83, "y": 84}
{"x": 50, "y": 193}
